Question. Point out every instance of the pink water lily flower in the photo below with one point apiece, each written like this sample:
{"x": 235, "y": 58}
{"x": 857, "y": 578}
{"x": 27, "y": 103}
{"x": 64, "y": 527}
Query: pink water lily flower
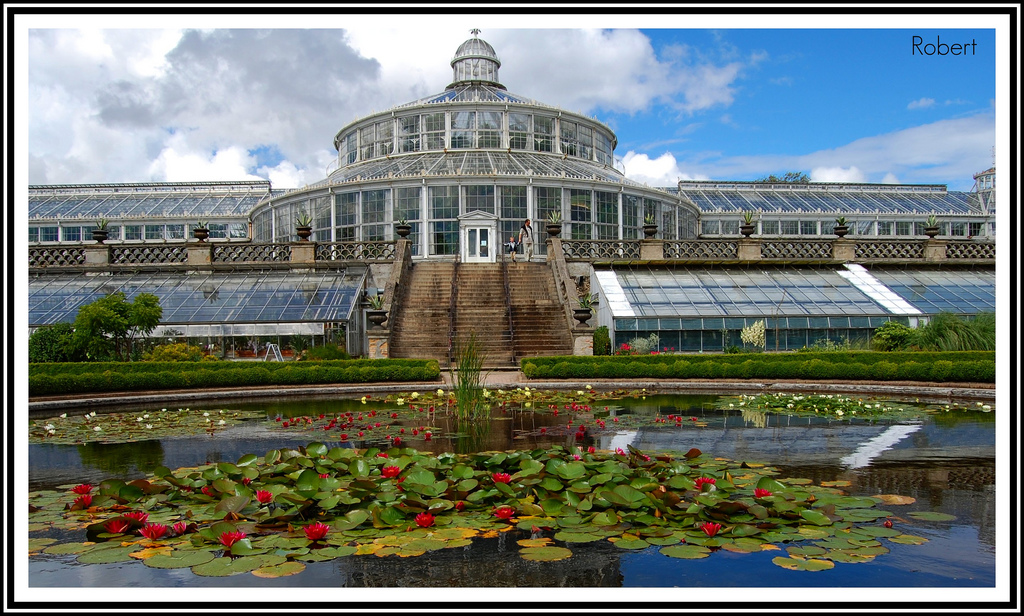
{"x": 390, "y": 471}
{"x": 230, "y": 538}
{"x": 702, "y": 481}
{"x": 84, "y": 501}
{"x": 117, "y": 526}
{"x": 138, "y": 516}
{"x": 153, "y": 530}
{"x": 264, "y": 496}
{"x": 501, "y": 477}
{"x": 179, "y": 527}
{"x": 504, "y": 512}
{"x": 424, "y": 520}
{"x": 761, "y": 493}
{"x": 710, "y": 528}
{"x": 316, "y": 532}
{"x": 84, "y": 488}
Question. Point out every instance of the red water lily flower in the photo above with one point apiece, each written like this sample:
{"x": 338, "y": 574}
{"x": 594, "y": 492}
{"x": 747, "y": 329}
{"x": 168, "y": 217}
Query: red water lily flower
{"x": 117, "y": 526}
{"x": 382, "y": 455}
{"x": 591, "y": 449}
{"x": 390, "y": 471}
{"x": 207, "y": 491}
{"x": 459, "y": 506}
{"x": 246, "y": 481}
{"x": 501, "y": 477}
{"x": 316, "y": 532}
{"x": 710, "y": 528}
{"x": 84, "y": 488}
{"x": 701, "y": 481}
{"x": 324, "y": 475}
{"x": 761, "y": 493}
{"x": 179, "y": 527}
{"x": 138, "y": 516}
{"x": 230, "y": 538}
{"x": 264, "y": 496}
{"x": 424, "y": 520}
{"x": 84, "y": 501}
{"x": 504, "y": 512}
{"x": 887, "y": 523}
{"x": 153, "y": 530}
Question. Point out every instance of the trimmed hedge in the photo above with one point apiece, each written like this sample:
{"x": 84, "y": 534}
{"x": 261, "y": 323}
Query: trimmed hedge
{"x": 959, "y": 366}
{"x": 75, "y": 378}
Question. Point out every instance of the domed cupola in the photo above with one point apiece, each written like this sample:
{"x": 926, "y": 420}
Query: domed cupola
{"x": 475, "y": 63}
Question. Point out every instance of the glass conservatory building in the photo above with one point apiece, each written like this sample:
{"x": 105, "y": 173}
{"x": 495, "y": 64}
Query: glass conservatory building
{"x": 465, "y": 167}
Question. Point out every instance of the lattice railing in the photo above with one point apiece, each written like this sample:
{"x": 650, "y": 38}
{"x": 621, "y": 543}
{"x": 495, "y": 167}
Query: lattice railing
{"x": 243, "y": 253}
{"x": 971, "y": 250}
{"x": 888, "y": 249}
{"x": 151, "y": 253}
{"x": 365, "y": 251}
{"x": 584, "y": 250}
{"x": 701, "y": 249}
{"x": 54, "y": 256}
{"x": 796, "y": 249}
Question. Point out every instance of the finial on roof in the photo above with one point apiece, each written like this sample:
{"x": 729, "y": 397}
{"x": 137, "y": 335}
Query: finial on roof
{"x": 475, "y": 31}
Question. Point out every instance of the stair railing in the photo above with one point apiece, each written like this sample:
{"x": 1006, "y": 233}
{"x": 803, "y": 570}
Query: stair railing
{"x": 451, "y": 312}
{"x": 508, "y": 310}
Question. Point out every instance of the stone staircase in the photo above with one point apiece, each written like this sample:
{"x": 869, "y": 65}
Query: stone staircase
{"x": 540, "y": 325}
{"x": 420, "y": 330}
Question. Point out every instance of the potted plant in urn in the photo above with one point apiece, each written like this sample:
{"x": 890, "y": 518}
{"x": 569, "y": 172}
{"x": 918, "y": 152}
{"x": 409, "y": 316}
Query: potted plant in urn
{"x": 931, "y": 227}
{"x": 403, "y": 228}
{"x": 841, "y": 228}
{"x": 650, "y": 226}
{"x": 747, "y": 228}
{"x": 554, "y": 226}
{"x": 303, "y": 226}
{"x": 585, "y": 309}
{"x": 100, "y": 232}
{"x": 376, "y": 314}
{"x": 201, "y": 231}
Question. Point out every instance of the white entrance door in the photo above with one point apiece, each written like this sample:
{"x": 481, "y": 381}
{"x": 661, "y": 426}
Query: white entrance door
{"x": 479, "y": 245}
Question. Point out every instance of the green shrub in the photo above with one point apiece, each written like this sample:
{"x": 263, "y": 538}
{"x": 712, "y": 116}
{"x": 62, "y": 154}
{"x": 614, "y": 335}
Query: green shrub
{"x": 949, "y": 332}
{"x": 892, "y": 336}
{"x": 941, "y": 370}
{"x": 602, "y": 341}
{"x": 52, "y": 343}
{"x": 885, "y": 371}
{"x": 178, "y": 351}
{"x": 325, "y": 353}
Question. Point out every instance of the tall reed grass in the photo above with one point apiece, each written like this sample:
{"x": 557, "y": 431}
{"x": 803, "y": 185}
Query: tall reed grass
{"x": 466, "y": 387}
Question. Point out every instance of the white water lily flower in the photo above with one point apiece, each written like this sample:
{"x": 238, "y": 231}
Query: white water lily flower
{"x": 49, "y": 427}
{"x": 149, "y": 426}
{"x": 163, "y": 410}
{"x": 206, "y": 420}
{"x": 63, "y": 415}
{"x": 400, "y": 401}
{"x": 206, "y": 414}
{"x": 839, "y": 413}
{"x": 414, "y": 395}
{"x": 986, "y": 407}
{"x": 93, "y": 413}
{"x": 527, "y": 394}
{"x": 97, "y": 429}
{"x": 138, "y": 419}
{"x": 526, "y": 404}
{"x": 52, "y": 432}
{"x": 221, "y": 422}
{"x": 145, "y": 416}
{"x": 579, "y": 392}
{"x": 589, "y": 387}
{"x": 440, "y": 391}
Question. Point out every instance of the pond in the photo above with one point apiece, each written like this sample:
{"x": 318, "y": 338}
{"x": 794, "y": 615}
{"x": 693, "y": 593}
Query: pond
{"x": 942, "y": 463}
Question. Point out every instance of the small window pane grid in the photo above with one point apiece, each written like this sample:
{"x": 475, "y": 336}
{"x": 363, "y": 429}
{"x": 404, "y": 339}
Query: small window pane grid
{"x": 580, "y": 210}
{"x": 444, "y": 238}
{"x": 282, "y": 298}
{"x": 710, "y": 339}
{"x": 569, "y": 138}
{"x": 546, "y": 201}
{"x": 407, "y": 204}
{"x": 543, "y": 133}
{"x": 631, "y": 217}
{"x": 114, "y": 201}
{"x": 320, "y": 210}
{"x": 444, "y": 203}
{"x": 480, "y": 199}
{"x": 374, "y": 210}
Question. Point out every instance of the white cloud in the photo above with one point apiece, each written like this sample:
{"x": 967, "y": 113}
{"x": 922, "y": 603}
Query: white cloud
{"x": 660, "y": 172}
{"x": 921, "y": 103}
{"x": 890, "y": 179}
{"x": 837, "y": 174}
{"x": 176, "y": 163}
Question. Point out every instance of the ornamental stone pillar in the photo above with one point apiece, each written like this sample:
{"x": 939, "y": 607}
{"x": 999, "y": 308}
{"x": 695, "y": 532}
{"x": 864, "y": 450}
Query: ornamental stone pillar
{"x": 843, "y": 250}
{"x": 97, "y": 255}
{"x": 652, "y": 250}
{"x": 303, "y": 252}
{"x": 935, "y": 250}
{"x": 200, "y": 254}
{"x": 749, "y": 249}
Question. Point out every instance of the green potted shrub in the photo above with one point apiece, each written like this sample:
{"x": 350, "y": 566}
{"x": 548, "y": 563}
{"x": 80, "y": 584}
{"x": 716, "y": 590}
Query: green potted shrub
{"x": 650, "y": 226}
{"x": 554, "y": 226}
{"x": 931, "y": 226}
{"x": 100, "y": 232}
{"x": 201, "y": 231}
{"x": 841, "y": 227}
{"x": 585, "y": 309}
{"x": 376, "y": 313}
{"x": 304, "y": 226}
{"x": 747, "y": 228}
{"x": 403, "y": 228}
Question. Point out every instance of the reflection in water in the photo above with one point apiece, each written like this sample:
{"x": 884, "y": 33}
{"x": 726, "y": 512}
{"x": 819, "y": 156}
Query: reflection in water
{"x": 872, "y": 448}
{"x": 122, "y": 458}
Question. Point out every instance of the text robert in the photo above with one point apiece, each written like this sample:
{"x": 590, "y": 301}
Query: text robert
{"x": 938, "y": 48}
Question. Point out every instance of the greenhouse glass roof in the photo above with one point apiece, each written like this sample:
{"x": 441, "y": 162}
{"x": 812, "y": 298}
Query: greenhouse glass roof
{"x": 256, "y": 297}
{"x": 516, "y": 163}
{"x": 118, "y": 201}
{"x": 790, "y": 291}
{"x": 829, "y": 198}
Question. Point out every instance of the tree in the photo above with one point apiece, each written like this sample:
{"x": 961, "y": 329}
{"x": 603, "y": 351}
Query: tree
{"x": 108, "y": 327}
{"x": 791, "y": 177}
{"x": 52, "y": 343}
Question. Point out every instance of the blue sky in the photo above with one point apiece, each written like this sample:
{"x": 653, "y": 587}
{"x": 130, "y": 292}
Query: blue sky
{"x": 121, "y": 101}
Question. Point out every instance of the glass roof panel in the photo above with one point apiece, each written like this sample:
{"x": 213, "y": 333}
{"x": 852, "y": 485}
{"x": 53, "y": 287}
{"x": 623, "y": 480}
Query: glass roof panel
{"x": 934, "y": 291}
{"x": 257, "y": 297}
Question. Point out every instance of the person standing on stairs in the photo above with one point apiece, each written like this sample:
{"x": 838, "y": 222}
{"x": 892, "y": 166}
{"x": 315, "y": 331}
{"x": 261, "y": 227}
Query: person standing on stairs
{"x": 526, "y": 240}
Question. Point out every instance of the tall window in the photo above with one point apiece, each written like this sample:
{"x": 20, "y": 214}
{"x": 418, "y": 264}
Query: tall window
{"x": 603, "y": 146}
{"x": 409, "y": 133}
{"x": 377, "y": 139}
{"x": 513, "y": 212}
{"x": 543, "y": 133}
{"x": 631, "y": 217}
{"x": 433, "y": 131}
{"x": 606, "y": 215}
{"x": 321, "y": 212}
{"x": 444, "y": 230}
{"x": 347, "y": 150}
{"x": 519, "y": 131}
{"x": 463, "y": 127}
{"x": 489, "y": 134}
{"x": 569, "y": 138}
{"x": 668, "y": 223}
{"x": 585, "y": 135}
{"x": 546, "y": 201}
{"x": 346, "y": 216}
{"x": 374, "y": 212}
{"x": 407, "y": 208}
{"x": 480, "y": 199}
{"x": 580, "y": 214}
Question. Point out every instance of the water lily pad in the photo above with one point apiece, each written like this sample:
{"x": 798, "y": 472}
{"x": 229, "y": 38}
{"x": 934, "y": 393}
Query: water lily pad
{"x": 630, "y": 544}
{"x": 931, "y": 516}
{"x": 107, "y": 555}
{"x": 69, "y": 548}
{"x": 743, "y": 545}
{"x": 875, "y": 531}
{"x": 224, "y": 566}
{"x": 534, "y": 543}
{"x": 545, "y": 554}
{"x": 686, "y": 551}
{"x": 908, "y": 539}
{"x": 281, "y": 570}
{"x": 572, "y": 537}
{"x": 179, "y": 559}
{"x": 895, "y": 499}
{"x": 799, "y": 551}
{"x": 670, "y": 540}
{"x": 799, "y": 564}
{"x": 38, "y": 543}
